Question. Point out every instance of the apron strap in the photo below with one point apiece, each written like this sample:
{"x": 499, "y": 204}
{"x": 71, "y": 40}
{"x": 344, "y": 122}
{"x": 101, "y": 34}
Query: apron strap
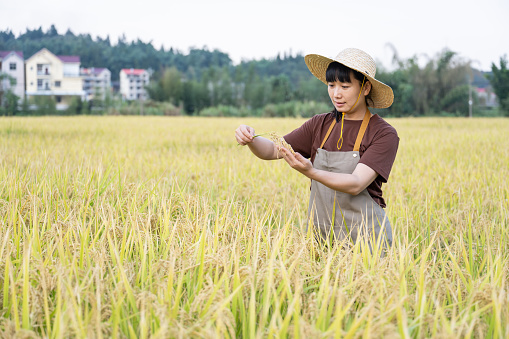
{"x": 328, "y": 132}
{"x": 360, "y": 135}
{"x": 362, "y": 130}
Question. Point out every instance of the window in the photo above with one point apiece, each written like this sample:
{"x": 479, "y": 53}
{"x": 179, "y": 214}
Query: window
{"x": 39, "y": 82}
{"x": 57, "y": 83}
{"x": 12, "y": 66}
{"x": 39, "y": 67}
{"x": 59, "y": 99}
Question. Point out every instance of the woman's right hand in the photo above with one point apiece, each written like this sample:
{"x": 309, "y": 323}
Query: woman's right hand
{"x": 244, "y": 134}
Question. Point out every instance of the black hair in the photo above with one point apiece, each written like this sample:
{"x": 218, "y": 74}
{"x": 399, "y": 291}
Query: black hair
{"x": 341, "y": 73}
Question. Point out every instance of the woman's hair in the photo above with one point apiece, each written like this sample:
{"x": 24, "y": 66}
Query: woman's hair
{"x": 341, "y": 73}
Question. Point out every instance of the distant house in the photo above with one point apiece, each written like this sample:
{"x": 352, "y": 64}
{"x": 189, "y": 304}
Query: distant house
{"x": 96, "y": 81}
{"x": 133, "y": 82}
{"x": 56, "y": 76}
{"x": 12, "y": 64}
{"x": 486, "y": 97}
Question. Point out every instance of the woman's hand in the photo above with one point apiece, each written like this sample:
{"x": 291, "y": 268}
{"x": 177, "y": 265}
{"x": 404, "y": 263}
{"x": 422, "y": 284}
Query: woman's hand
{"x": 244, "y": 134}
{"x": 296, "y": 161}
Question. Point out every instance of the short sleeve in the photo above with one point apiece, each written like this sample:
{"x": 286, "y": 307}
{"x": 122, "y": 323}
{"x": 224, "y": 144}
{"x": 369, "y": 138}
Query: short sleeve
{"x": 381, "y": 153}
{"x": 301, "y": 139}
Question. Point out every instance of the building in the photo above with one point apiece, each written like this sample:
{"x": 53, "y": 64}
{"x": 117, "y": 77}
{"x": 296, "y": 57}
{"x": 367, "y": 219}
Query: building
{"x": 486, "y": 97}
{"x": 12, "y": 64}
{"x": 96, "y": 81}
{"x": 133, "y": 82}
{"x": 57, "y": 76}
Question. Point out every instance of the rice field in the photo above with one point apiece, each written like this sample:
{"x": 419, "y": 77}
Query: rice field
{"x": 138, "y": 227}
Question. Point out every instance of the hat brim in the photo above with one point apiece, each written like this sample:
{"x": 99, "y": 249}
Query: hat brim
{"x": 380, "y": 96}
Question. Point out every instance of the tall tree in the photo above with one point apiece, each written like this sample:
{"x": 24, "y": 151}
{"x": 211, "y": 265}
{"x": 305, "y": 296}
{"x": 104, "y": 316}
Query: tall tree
{"x": 171, "y": 82}
{"x": 499, "y": 80}
{"x": 281, "y": 89}
{"x": 8, "y": 100}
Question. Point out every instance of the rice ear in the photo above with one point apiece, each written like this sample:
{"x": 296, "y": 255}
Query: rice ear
{"x": 281, "y": 142}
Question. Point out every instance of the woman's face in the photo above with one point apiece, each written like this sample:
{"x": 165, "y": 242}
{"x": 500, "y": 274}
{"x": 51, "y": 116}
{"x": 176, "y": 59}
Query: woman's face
{"x": 344, "y": 95}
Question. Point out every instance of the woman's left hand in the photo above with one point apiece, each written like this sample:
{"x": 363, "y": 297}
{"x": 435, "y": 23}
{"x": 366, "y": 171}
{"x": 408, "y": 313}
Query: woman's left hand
{"x": 296, "y": 161}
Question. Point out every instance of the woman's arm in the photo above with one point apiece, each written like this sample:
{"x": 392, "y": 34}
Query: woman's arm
{"x": 353, "y": 183}
{"x": 261, "y": 147}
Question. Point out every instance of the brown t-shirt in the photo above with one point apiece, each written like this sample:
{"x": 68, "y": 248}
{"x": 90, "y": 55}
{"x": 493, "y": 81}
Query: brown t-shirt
{"x": 377, "y": 151}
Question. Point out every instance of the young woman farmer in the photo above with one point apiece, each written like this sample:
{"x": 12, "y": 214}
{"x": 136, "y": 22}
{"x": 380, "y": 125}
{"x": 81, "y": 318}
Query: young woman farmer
{"x": 347, "y": 153}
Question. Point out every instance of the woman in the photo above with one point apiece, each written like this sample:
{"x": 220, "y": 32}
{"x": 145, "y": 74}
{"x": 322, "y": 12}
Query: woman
{"x": 347, "y": 153}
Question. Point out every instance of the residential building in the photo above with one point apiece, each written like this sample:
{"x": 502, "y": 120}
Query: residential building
{"x": 133, "y": 82}
{"x": 12, "y": 64}
{"x": 56, "y": 76}
{"x": 486, "y": 97}
{"x": 96, "y": 81}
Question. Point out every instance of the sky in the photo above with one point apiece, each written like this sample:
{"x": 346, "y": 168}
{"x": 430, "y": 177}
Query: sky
{"x": 248, "y": 29}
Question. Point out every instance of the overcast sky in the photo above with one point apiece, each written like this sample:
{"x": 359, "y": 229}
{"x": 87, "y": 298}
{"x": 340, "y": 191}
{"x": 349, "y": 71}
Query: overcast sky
{"x": 248, "y": 29}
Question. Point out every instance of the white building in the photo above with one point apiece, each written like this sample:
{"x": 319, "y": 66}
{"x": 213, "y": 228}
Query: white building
{"x": 133, "y": 82}
{"x": 96, "y": 81}
{"x": 486, "y": 97}
{"x": 12, "y": 64}
{"x": 56, "y": 76}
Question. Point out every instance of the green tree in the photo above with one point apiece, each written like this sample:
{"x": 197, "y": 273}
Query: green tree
{"x": 45, "y": 105}
{"x": 167, "y": 87}
{"x": 403, "y": 90}
{"x": 439, "y": 86}
{"x": 25, "y": 106}
{"x": 499, "y": 80}
{"x": 11, "y": 104}
{"x": 188, "y": 97}
{"x": 8, "y": 100}
{"x": 256, "y": 92}
{"x": 281, "y": 89}
{"x": 75, "y": 106}
{"x": 312, "y": 89}
{"x": 171, "y": 85}
{"x": 224, "y": 88}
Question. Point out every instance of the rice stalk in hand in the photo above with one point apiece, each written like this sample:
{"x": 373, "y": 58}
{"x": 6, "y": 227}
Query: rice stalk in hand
{"x": 280, "y": 142}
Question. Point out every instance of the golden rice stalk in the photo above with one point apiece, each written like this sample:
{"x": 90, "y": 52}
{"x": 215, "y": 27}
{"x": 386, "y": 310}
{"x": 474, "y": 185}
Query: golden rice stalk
{"x": 281, "y": 142}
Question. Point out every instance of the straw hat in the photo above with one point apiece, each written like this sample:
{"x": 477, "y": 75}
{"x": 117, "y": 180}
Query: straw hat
{"x": 380, "y": 96}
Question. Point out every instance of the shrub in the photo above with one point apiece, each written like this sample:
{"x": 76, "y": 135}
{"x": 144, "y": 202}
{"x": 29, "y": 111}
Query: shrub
{"x": 295, "y": 109}
{"x": 149, "y": 108}
{"x": 225, "y": 111}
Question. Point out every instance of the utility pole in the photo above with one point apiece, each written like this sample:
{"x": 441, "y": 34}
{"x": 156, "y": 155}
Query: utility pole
{"x": 470, "y": 79}
{"x": 470, "y": 99}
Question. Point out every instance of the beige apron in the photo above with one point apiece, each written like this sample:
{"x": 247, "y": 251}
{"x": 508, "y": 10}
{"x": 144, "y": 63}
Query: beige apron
{"x": 347, "y": 215}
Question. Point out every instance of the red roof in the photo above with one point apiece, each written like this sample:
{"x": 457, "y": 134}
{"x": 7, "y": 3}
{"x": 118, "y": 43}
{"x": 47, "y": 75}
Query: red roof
{"x": 93, "y": 70}
{"x": 3, "y": 54}
{"x": 69, "y": 58}
{"x": 133, "y": 71}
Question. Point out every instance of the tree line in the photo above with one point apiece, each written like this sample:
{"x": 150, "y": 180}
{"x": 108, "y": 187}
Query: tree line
{"x": 206, "y": 82}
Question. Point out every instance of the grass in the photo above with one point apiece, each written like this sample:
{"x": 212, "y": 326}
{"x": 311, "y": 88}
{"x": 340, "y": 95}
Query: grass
{"x": 163, "y": 227}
